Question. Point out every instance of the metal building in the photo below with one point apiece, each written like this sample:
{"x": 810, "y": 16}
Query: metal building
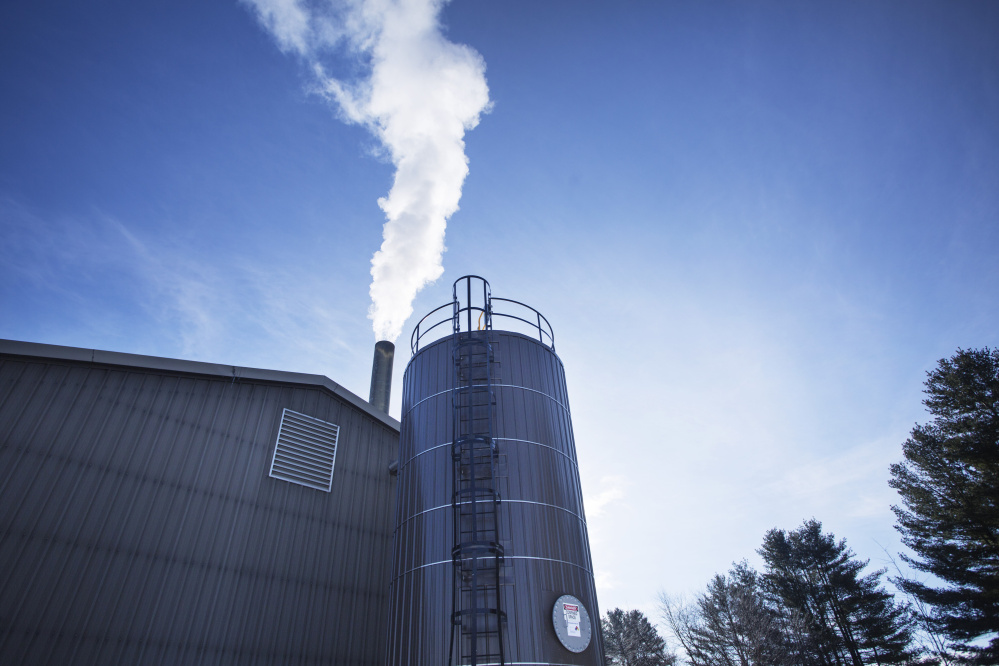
{"x": 155, "y": 511}
{"x": 491, "y": 558}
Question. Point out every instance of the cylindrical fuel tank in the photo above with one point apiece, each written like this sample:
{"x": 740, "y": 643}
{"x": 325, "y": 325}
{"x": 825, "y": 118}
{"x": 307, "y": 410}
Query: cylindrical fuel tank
{"x": 540, "y": 521}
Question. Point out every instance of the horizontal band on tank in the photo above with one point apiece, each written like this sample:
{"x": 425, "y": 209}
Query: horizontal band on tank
{"x": 525, "y": 663}
{"x": 550, "y": 397}
{"x": 506, "y": 501}
{"x": 498, "y": 439}
{"x": 432, "y": 448}
{"x": 547, "y": 446}
{"x": 505, "y": 557}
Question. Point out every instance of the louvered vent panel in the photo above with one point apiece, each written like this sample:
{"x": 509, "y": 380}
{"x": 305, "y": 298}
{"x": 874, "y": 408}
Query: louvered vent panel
{"x": 305, "y": 451}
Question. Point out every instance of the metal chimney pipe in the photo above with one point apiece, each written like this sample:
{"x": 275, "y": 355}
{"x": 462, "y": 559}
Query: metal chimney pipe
{"x": 381, "y": 376}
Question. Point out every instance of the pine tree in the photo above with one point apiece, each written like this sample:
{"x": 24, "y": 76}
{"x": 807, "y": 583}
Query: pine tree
{"x": 848, "y": 619}
{"x": 730, "y": 624}
{"x": 949, "y": 485}
{"x": 631, "y": 640}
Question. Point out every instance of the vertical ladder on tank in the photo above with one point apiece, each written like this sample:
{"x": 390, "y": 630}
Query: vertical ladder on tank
{"x": 477, "y": 618}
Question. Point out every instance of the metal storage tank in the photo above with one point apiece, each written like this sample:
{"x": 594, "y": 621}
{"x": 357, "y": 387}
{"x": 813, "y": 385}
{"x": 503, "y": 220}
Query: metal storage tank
{"x": 490, "y": 534}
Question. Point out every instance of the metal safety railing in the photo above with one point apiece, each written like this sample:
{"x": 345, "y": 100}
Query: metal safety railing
{"x": 468, "y": 311}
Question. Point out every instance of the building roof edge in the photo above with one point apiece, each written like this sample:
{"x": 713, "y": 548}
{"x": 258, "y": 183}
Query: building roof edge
{"x": 59, "y": 352}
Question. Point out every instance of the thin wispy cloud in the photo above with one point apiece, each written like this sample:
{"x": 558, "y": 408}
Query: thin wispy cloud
{"x": 611, "y": 491}
{"x": 854, "y": 479}
{"x": 44, "y": 252}
{"x": 604, "y": 580}
{"x": 418, "y": 95}
{"x": 228, "y": 309}
{"x": 282, "y": 317}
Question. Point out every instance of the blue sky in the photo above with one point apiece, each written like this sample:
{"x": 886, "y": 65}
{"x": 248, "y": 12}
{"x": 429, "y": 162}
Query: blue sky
{"x": 753, "y": 226}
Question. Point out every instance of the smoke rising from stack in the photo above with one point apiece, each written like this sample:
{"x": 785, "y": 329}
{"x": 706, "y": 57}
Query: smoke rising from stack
{"x": 421, "y": 94}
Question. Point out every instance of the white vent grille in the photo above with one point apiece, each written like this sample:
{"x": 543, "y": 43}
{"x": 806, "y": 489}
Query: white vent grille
{"x": 305, "y": 451}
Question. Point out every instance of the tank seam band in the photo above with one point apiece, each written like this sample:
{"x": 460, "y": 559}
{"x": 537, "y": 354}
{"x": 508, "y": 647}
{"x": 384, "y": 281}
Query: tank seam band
{"x": 550, "y": 397}
{"x": 506, "y": 501}
{"x": 505, "y": 557}
{"x": 503, "y": 439}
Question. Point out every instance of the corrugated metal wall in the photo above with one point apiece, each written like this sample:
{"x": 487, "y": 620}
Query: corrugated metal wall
{"x": 138, "y": 523}
{"x": 543, "y": 528}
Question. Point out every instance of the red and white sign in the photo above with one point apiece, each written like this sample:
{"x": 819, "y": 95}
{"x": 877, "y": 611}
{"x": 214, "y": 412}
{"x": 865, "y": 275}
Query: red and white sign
{"x": 571, "y": 612}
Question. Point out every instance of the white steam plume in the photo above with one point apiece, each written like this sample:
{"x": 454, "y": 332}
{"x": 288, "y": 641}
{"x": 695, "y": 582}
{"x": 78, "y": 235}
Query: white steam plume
{"x": 421, "y": 94}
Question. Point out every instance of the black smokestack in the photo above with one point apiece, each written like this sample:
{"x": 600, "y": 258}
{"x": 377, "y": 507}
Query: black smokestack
{"x": 381, "y": 376}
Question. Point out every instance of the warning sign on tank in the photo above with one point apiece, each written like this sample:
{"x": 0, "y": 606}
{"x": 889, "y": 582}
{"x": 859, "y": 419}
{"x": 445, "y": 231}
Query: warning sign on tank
{"x": 571, "y": 623}
{"x": 571, "y": 612}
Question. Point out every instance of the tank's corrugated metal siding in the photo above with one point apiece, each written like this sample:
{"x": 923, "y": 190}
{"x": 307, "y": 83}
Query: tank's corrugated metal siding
{"x": 138, "y": 523}
{"x": 542, "y": 525}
